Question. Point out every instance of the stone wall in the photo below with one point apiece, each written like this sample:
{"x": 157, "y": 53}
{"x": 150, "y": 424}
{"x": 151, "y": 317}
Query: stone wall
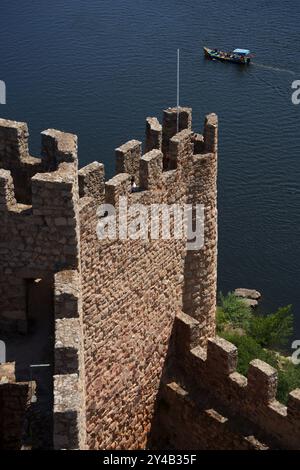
{"x": 69, "y": 382}
{"x": 137, "y": 363}
{"x": 209, "y": 405}
{"x": 40, "y": 237}
{"x": 187, "y": 423}
{"x": 133, "y": 289}
{"x": 199, "y": 295}
{"x": 15, "y": 399}
{"x": 14, "y": 156}
{"x": 91, "y": 181}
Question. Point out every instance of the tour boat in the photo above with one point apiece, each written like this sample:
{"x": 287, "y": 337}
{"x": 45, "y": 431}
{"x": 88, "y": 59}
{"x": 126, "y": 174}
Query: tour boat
{"x": 238, "y": 56}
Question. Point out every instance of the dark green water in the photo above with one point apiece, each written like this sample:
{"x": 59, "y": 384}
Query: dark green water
{"x": 99, "y": 67}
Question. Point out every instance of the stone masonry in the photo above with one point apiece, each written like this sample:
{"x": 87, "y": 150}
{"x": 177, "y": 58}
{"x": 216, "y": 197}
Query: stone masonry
{"x": 15, "y": 400}
{"x": 136, "y": 363}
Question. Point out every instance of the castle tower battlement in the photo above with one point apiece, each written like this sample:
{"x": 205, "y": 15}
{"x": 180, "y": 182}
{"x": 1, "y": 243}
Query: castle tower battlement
{"x": 181, "y": 150}
{"x": 153, "y": 134}
{"x": 38, "y": 232}
{"x": 39, "y": 235}
{"x": 135, "y": 353}
{"x": 101, "y": 287}
{"x": 133, "y": 289}
{"x": 151, "y": 166}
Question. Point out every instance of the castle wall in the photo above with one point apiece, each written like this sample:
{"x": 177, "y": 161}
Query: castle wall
{"x": 136, "y": 360}
{"x": 220, "y": 408}
{"x": 132, "y": 291}
{"x": 69, "y": 374}
{"x": 186, "y": 423}
{"x": 14, "y": 156}
{"x": 15, "y": 399}
{"x": 199, "y": 295}
{"x": 39, "y": 238}
{"x": 91, "y": 181}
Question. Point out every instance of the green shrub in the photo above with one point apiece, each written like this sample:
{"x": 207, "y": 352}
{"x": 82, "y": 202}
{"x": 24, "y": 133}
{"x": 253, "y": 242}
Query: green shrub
{"x": 288, "y": 380}
{"x": 249, "y": 349}
{"x": 235, "y": 311}
{"x": 220, "y": 320}
{"x": 261, "y": 333}
{"x": 274, "y": 330}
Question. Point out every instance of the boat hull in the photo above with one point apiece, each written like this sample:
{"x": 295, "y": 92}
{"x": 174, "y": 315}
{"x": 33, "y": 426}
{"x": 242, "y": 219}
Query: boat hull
{"x": 225, "y": 57}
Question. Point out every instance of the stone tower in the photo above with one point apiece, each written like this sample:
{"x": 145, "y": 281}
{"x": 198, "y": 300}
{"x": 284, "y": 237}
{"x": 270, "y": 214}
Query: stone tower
{"x": 127, "y": 326}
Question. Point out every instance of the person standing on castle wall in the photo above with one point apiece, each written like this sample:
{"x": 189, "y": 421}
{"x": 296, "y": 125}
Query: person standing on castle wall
{"x": 133, "y": 185}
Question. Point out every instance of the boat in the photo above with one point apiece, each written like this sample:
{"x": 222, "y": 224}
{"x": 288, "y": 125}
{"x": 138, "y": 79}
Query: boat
{"x": 237, "y": 56}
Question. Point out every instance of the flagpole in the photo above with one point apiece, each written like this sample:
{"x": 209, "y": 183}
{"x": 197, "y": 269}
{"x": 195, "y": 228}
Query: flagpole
{"x": 178, "y": 57}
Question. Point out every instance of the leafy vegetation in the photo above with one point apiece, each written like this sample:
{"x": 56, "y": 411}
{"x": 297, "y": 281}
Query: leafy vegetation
{"x": 235, "y": 311}
{"x": 259, "y": 337}
{"x": 288, "y": 379}
{"x": 272, "y": 331}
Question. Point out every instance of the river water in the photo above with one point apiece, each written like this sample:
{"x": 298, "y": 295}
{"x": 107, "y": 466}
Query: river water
{"x": 98, "y": 68}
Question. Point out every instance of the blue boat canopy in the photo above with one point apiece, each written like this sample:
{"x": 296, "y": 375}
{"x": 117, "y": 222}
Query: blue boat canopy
{"x": 242, "y": 51}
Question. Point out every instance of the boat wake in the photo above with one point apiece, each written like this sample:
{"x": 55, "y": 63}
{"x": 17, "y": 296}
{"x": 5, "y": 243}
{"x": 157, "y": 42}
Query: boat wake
{"x": 279, "y": 90}
{"x": 276, "y": 69}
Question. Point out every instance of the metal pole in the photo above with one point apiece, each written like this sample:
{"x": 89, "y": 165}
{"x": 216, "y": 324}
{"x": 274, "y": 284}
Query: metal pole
{"x": 178, "y": 58}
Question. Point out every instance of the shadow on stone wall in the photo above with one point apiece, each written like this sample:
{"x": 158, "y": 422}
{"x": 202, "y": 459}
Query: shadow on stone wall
{"x": 156, "y": 438}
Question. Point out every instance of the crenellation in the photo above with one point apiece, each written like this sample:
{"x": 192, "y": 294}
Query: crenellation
{"x": 293, "y": 407}
{"x": 189, "y": 423}
{"x": 212, "y": 370}
{"x": 211, "y": 133}
{"x": 67, "y": 294}
{"x": 221, "y": 356}
{"x": 52, "y": 193}
{"x": 58, "y": 147}
{"x": 7, "y": 192}
{"x": 134, "y": 320}
{"x": 91, "y": 180}
{"x": 153, "y": 134}
{"x": 238, "y": 380}
{"x": 119, "y": 185}
{"x": 186, "y": 333}
{"x": 198, "y": 143}
{"x": 181, "y": 150}
{"x": 151, "y": 166}
{"x": 262, "y": 381}
{"x": 67, "y": 332}
{"x": 170, "y": 127}
{"x": 44, "y": 234}
{"x": 69, "y": 408}
{"x": 66, "y": 412}
{"x": 14, "y": 156}
{"x": 13, "y": 143}
{"x": 128, "y": 159}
